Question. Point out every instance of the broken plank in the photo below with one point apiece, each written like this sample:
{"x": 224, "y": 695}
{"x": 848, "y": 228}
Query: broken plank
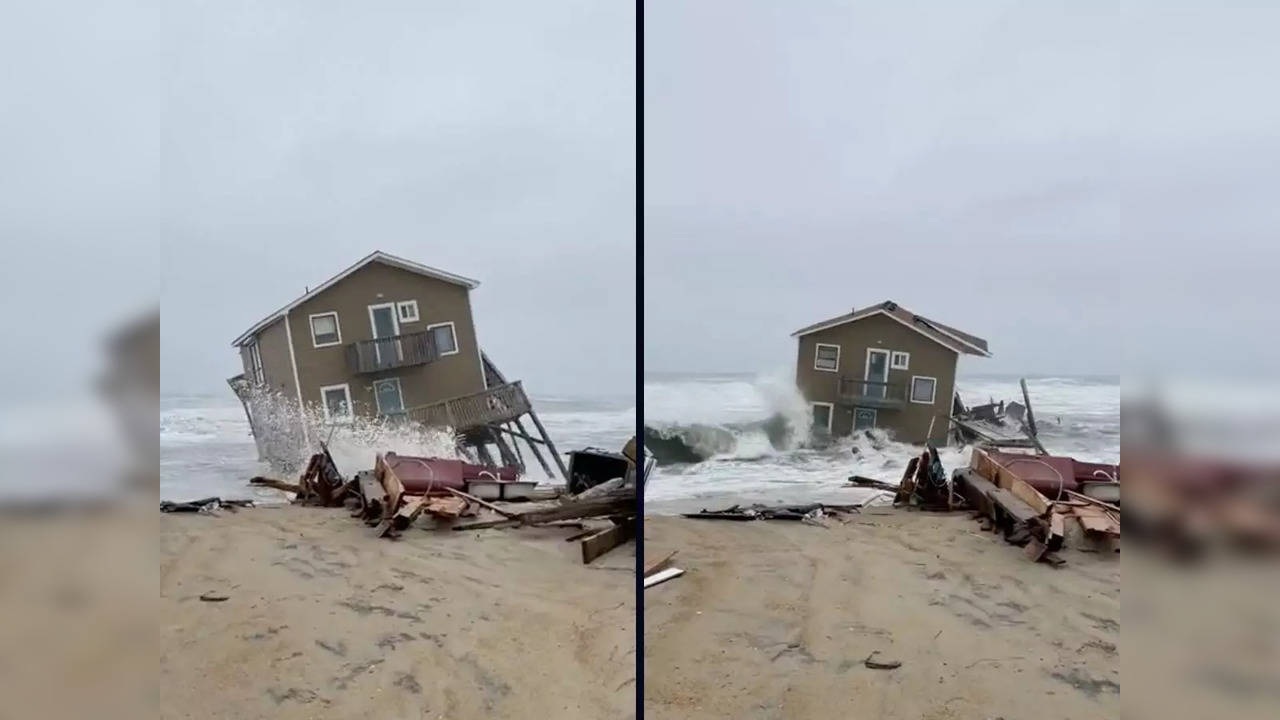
{"x": 662, "y": 564}
{"x": 662, "y": 576}
{"x": 597, "y": 544}
{"x": 1013, "y": 506}
{"x": 1029, "y": 495}
{"x": 482, "y": 503}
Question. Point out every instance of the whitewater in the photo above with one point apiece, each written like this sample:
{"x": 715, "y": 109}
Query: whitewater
{"x": 206, "y": 448}
{"x": 752, "y": 461}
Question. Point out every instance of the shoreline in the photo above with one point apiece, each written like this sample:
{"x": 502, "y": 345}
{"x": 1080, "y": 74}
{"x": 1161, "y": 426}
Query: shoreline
{"x": 775, "y": 618}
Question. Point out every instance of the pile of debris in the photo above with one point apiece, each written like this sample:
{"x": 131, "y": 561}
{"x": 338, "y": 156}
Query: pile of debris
{"x": 401, "y": 488}
{"x": 1011, "y": 425}
{"x": 1043, "y": 502}
{"x": 810, "y": 514}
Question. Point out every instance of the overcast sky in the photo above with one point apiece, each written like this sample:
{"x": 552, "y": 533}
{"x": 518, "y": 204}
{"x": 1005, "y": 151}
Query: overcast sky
{"x": 1088, "y": 186}
{"x": 493, "y": 140}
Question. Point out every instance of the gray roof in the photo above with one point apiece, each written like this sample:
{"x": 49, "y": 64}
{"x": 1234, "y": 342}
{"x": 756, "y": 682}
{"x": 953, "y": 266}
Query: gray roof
{"x": 946, "y": 335}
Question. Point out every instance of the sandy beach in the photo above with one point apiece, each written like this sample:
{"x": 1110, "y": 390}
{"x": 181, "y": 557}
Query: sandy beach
{"x": 774, "y": 619}
{"x": 323, "y": 620}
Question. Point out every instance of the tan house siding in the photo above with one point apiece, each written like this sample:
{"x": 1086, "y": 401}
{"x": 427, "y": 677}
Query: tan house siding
{"x": 377, "y": 283}
{"x": 273, "y": 348}
{"x": 927, "y": 358}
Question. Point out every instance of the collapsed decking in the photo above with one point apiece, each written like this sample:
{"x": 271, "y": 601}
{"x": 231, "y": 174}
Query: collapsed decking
{"x": 401, "y": 488}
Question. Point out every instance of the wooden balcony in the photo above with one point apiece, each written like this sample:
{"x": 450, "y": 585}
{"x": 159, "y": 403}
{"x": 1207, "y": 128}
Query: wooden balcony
{"x": 371, "y": 356}
{"x": 871, "y": 394}
{"x": 487, "y": 407}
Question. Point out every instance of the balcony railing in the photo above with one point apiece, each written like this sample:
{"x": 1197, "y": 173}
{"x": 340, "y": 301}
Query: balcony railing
{"x": 869, "y": 393}
{"x": 397, "y": 351}
{"x": 487, "y": 407}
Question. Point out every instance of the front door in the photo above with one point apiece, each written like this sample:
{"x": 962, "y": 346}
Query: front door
{"x": 387, "y": 394}
{"x": 385, "y": 325}
{"x": 864, "y": 418}
{"x": 877, "y": 373}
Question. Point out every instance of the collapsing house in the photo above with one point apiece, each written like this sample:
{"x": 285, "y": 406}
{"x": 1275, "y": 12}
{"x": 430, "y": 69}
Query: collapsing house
{"x": 882, "y": 366}
{"x": 385, "y": 338}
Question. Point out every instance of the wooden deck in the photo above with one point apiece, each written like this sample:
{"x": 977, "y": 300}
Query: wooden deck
{"x": 494, "y": 406}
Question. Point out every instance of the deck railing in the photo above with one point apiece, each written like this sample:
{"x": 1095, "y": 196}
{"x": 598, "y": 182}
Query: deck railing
{"x": 397, "y": 351}
{"x": 487, "y": 407}
{"x": 870, "y": 393}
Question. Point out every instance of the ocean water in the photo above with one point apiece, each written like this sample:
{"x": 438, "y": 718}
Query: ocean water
{"x": 206, "y": 448}
{"x": 1076, "y": 416}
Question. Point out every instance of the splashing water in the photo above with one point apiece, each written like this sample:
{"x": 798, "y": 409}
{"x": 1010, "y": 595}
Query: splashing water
{"x": 206, "y": 447}
{"x": 750, "y": 438}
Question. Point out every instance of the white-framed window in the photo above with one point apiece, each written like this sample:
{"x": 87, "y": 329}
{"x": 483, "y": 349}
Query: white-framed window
{"x": 826, "y": 357}
{"x": 335, "y": 400}
{"x": 444, "y": 338}
{"x": 324, "y": 330}
{"x": 407, "y": 311}
{"x": 388, "y": 396}
{"x": 923, "y": 389}
{"x": 900, "y": 360}
{"x": 822, "y": 413}
{"x": 255, "y": 364}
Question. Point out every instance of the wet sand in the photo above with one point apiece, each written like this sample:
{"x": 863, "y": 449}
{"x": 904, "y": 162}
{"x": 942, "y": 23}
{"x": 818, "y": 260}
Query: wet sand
{"x": 324, "y": 620}
{"x": 774, "y": 619}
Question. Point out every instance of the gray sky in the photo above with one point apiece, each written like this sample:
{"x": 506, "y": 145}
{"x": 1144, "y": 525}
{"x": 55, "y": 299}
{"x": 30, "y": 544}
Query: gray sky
{"x": 493, "y": 140}
{"x": 1089, "y": 186}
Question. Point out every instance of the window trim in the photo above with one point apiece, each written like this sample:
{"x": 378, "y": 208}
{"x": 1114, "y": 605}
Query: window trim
{"x": 399, "y": 391}
{"x": 906, "y": 360}
{"x": 911, "y": 390}
{"x": 831, "y": 412}
{"x": 337, "y": 327}
{"x": 255, "y": 363}
{"x": 452, "y": 331}
{"x": 818, "y": 346}
{"x": 324, "y": 402}
{"x": 404, "y": 304}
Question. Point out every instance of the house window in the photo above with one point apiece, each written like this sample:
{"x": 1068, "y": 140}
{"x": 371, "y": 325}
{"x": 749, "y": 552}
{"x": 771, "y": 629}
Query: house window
{"x": 923, "y": 389}
{"x": 324, "y": 330}
{"x": 408, "y": 311}
{"x": 388, "y": 397}
{"x": 822, "y": 416}
{"x": 255, "y": 364}
{"x": 826, "y": 357}
{"x": 443, "y": 338}
{"x": 900, "y": 361}
{"x": 336, "y": 402}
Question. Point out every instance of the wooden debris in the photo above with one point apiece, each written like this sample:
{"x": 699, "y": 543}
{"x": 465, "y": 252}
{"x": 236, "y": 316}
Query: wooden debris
{"x": 281, "y": 485}
{"x": 860, "y": 481}
{"x": 658, "y": 565}
{"x": 601, "y": 542}
{"x": 662, "y": 576}
{"x": 874, "y": 664}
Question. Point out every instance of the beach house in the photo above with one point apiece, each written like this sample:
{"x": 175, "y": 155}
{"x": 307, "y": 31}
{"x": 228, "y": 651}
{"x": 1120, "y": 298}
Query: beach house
{"x": 882, "y": 366}
{"x": 386, "y": 337}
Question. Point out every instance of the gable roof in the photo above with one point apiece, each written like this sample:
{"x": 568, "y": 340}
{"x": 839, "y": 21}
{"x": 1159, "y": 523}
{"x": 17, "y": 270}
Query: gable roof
{"x": 944, "y": 335}
{"x": 375, "y": 256}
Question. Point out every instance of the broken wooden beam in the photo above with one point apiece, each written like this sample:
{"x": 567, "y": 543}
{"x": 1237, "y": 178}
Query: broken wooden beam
{"x": 601, "y": 542}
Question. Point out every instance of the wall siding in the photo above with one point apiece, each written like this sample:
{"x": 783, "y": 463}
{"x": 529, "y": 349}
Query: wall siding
{"x": 376, "y": 283}
{"x": 910, "y": 424}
